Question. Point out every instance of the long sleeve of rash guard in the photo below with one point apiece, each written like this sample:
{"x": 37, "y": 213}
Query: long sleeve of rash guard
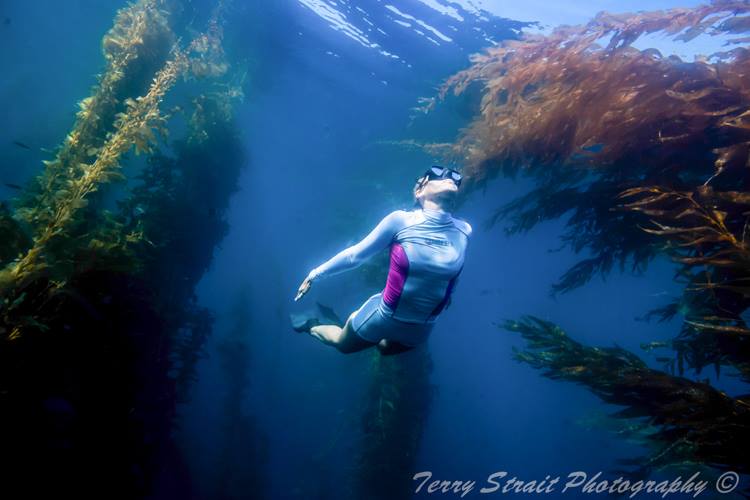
{"x": 351, "y": 257}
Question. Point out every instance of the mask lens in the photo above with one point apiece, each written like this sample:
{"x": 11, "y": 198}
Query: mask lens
{"x": 456, "y": 177}
{"x": 438, "y": 171}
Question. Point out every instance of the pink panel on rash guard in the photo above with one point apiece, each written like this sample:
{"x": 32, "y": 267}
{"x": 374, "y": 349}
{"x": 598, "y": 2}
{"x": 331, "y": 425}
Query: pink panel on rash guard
{"x": 397, "y": 273}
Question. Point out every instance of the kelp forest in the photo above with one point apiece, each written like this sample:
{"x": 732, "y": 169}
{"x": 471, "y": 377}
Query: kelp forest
{"x": 100, "y": 327}
{"x": 646, "y": 154}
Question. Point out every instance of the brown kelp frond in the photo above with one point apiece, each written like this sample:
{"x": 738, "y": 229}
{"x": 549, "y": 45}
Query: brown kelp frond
{"x": 714, "y": 222}
{"x": 706, "y": 230}
{"x": 443, "y": 149}
{"x": 564, "y": 98}
{"x": 139, "y": 39}
{"x": 584, "y": 99}
{"x": 711, "y": 426}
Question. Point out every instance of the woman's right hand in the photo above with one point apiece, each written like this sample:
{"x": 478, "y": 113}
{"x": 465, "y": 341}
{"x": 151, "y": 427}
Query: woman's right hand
{"x": 303, "y": 288}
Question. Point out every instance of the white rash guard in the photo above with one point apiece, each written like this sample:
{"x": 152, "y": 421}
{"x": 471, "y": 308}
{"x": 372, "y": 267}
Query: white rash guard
{"x": 427, "y": 255}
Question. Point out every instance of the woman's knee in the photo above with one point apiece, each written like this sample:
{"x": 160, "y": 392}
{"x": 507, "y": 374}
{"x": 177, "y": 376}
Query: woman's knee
{"x": 350, "y": 341}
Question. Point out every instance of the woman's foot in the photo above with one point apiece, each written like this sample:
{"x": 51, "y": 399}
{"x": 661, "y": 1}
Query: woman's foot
{"x": 302, "y": 322}
{"x": 329, "y": 315}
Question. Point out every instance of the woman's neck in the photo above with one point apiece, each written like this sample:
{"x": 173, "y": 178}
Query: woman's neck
{"x": 431, "y": 205}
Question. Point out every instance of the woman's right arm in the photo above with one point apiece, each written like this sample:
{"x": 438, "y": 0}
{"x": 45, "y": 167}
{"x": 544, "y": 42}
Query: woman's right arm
{"x": 349, "y": 258}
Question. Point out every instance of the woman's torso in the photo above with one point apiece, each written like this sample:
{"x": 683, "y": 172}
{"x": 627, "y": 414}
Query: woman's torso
{"x": 426, "y": 257}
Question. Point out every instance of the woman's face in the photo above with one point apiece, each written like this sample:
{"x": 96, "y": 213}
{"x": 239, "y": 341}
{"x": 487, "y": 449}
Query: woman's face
{"x": 438, "y": 190}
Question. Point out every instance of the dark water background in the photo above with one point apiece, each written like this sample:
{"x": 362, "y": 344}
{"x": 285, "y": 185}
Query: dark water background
{"x": 321, "y": 174}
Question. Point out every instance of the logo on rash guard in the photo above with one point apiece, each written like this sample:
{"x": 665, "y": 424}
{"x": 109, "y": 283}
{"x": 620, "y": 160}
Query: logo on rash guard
{"x": 433, "y": 241}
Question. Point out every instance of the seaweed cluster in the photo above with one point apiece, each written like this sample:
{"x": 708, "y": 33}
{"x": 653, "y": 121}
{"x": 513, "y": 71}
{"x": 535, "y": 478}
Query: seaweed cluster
{"x": 686, "y": 422}
{"x": 134, "y": 48}
{"x": 398, "y": 404}
{"x": 706, "y": 231}
{"x": 136, "y": 126}
{"x": 649, "y": 155}
{"x": 587, "y": 122}
{"x": 100, "y": 329}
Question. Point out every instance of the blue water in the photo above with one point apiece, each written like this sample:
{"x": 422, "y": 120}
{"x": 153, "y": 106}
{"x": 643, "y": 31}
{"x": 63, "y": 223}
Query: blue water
{"x": 321, "y": 113}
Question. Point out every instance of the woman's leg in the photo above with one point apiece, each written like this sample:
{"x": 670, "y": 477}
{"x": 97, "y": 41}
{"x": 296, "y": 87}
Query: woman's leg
{"x": 344, "y": 339}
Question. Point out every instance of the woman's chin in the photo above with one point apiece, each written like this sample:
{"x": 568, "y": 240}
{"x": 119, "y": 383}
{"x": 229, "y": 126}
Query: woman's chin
{"x": 446, "y": 198}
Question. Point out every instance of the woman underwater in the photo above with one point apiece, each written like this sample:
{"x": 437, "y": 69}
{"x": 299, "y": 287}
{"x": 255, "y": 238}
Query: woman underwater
{"x": 427, "y": 247}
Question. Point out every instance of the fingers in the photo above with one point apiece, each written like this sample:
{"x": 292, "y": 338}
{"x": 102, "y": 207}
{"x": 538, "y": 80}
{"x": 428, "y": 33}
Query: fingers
{"x": 303, "y": 288}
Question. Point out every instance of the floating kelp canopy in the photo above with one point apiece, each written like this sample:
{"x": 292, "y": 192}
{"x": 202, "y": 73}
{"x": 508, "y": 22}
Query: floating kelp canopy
{"x": 100, "y": 329}
{"x": 563, "y": 98}
{"x": 588, "y": 115}
{"x": 650, "y": 155}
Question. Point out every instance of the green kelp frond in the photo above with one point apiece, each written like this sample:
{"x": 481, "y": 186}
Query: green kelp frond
{"x": 212, "y": 107}
{"x": 100, "y": 346}
{"x": 12, "y": 235}
{"x": 134, "y": 127}
{"x": 695, "y": 421}
{"x": 137, "y": 126}
{"x": 139, "y": 39}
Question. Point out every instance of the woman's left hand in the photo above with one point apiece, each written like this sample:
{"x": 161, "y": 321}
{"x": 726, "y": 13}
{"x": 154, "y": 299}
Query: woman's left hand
{"x": 303, "y": 289}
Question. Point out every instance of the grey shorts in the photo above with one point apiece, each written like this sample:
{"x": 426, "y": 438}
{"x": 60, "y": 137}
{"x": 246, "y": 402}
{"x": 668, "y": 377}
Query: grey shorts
{"x": 371, "y": 324}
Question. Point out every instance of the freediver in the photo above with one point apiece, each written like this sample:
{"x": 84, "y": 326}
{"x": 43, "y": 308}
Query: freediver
{"x": 427, "y": 247}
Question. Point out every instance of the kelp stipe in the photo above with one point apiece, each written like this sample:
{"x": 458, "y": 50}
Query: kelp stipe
{"x": 178, "y": 197}
{"x": 396, "y": 410}
{"x": 241, "y": 469}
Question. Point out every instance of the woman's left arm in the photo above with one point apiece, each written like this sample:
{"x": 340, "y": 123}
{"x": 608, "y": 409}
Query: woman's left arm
{"x": 349, "y": 258}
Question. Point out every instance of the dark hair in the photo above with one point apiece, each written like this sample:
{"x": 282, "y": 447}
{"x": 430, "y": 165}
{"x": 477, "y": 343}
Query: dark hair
{"x": 419, "y": 183}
